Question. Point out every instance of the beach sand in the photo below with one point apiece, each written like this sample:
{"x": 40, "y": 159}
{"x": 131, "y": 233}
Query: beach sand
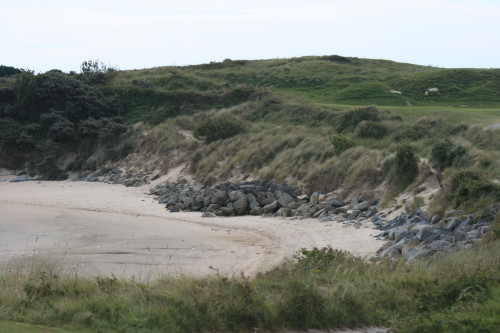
{"x": 97, "y": 229}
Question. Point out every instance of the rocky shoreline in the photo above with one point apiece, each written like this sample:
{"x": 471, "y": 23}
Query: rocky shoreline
{"x": 409, "y": 235}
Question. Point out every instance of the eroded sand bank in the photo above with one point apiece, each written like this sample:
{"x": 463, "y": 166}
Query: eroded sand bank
{"x": 100, "y": 229}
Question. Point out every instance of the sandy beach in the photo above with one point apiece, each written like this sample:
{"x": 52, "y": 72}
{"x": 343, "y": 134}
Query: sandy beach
{"x": 101, "y": 229}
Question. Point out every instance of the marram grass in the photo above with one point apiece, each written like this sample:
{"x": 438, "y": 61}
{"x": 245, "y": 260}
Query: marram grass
{"x": 320, "y": 288}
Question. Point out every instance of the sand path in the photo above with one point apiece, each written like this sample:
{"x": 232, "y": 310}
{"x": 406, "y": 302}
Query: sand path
{"x": 100, "y": 229}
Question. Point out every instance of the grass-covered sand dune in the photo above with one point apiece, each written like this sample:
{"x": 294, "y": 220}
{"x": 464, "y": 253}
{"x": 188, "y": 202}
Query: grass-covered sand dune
{"x": 357, "y": 126}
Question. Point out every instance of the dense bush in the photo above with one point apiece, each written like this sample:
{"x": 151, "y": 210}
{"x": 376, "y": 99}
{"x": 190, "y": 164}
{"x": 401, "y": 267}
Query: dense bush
{"x": 9, "y": 132}
{"x": 218, "y": 128}
{"x": 341, "y": 143}
{"x": 372, "y": 129}
{"x": 446, "y": 153}
{"x": 406, "y": 167}
{"x": 352, "y": 118}
{"x": 470, "y": 186}
{"x": 8, "y": 71}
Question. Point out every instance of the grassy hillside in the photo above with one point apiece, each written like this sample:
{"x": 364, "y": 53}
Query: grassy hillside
{"x": 309, "y": 121}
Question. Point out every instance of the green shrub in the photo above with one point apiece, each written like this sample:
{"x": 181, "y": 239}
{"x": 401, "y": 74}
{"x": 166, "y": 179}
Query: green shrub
{"x": 218, "y": 128}
{"x": 9, "y": 131}
{"x": 406, "y": 167}
{"x": 9, "y": 71}
{"x": 341, "y": 143}
{"x": 446, "y": 153}
{"x": 372, "y": 129}
{"x": 470, "y": 187}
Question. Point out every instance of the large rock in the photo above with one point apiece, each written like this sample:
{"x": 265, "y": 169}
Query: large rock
{"x": 227, "y": 211}
{"x": 198, "y": 203}
{"x": 451, "y": 223}
{"x": 362, "y": 206}
{"x": 219, "y": 197}
{"x": 285, "y": 199}
{"x": 172, "y": 200}
{"x": 256, "y": 211}
{"x": 271, "y": 207}
{"x": 208, "y": 214}
{"x": 252, "y": 201}
{"x": 314, "y": 199}
{"x": 214, "y": 208}
{"x": 336, "y": 202}
{"x": 241, "y": 205}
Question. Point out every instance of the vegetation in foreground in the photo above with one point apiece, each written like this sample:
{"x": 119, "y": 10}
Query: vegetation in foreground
{"x": 322, "y": 288}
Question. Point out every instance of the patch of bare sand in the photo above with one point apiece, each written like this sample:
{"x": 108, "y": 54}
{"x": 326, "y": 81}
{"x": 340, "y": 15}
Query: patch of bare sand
{"x": 102, "y": 229}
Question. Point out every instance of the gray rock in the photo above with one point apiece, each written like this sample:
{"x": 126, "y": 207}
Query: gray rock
{"x": 464, "y": 225}
{"x": 336, "y": 202}
{"x": 429, "y": 233}
{"x": 252, "y": 201}
{"x": 256, "y": 211}
{"x": 362, "y": 206}
{"x": 214, "y": 208}
{"x": 439, "y": 245}
{"x": 198, "y": 202}
{"x": 285, "y": 199}
{"x": 172, "y": 200}
{"x": 314, "y": 199}
{"x": 266, "y": 199}
{"x": 271, "y": 207}
{"x": 326, "y": 219}
{"x": 451, "y": 222}
{"x": 319, "y": 213}
{"x": 227, "y": 211}
{"x": 406, "y": 234}
{"x": 435, "y": 219}
{"x": 371, "y": 212}
{"x": 241, "y": 205}
{"x": 174, "y": 209}
{"x": 219, "y": 197}
{"x": 208, "y": 214}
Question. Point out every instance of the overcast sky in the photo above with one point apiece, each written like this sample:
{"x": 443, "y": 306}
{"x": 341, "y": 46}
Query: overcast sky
{"x": 43, "y": 35}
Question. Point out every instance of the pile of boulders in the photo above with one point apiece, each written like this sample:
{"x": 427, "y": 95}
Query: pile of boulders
{"x": 117, "y": 176}
{"x": 407, "y": 236}
{"x": 419, "y": 235}
{"x": 262, "y": 199}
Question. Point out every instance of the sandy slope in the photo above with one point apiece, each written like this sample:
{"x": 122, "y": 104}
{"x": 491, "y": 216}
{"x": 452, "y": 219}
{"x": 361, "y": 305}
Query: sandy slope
{"x": 102, "y": 229}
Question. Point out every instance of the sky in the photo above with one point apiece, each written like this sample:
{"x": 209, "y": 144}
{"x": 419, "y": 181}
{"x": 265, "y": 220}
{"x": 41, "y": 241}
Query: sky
{"x": 125, "y": 34}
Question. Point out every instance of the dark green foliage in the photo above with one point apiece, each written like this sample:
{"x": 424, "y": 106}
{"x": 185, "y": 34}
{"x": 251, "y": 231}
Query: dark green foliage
{"x": 9, "y": 132}
{"x": 341, "y": 143}
{"x": 25, "y": 87}
{"x": 6, "y": 71}
{"x": 218, "y": 128}
{"x": 352, "y": 118}
{"x": 336, "y": 58}
{"x": 61, "y": 113}
{"x": 406, "y": 167}
{"x": 7, "y": 96}
{"x": 372, "y": 129}
{"x": 446, "y": 153}
{"x": 467, "y": 188}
